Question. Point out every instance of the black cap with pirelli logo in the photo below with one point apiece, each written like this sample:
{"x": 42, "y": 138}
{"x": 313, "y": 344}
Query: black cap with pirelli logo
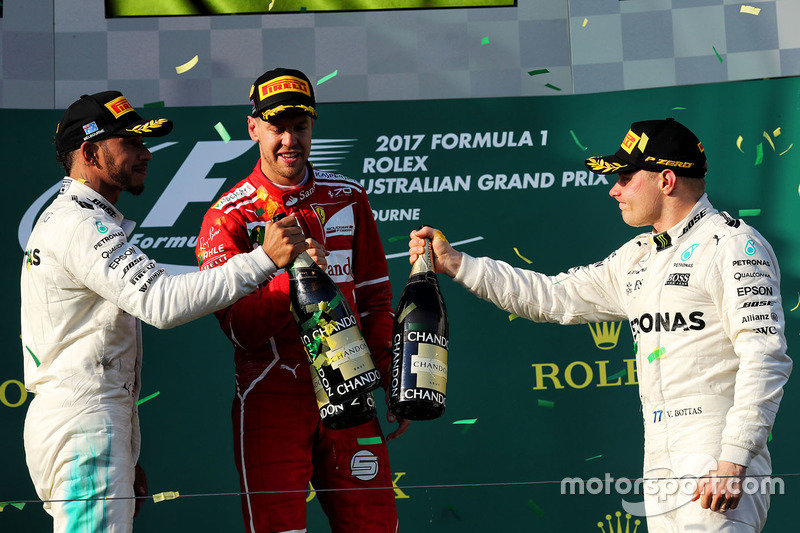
{"x": 655, "y": 145}
{"x": 280, "y": 90}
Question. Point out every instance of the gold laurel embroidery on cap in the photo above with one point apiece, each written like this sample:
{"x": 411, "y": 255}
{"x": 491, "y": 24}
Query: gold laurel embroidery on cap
{"x": 602, "y": 166}
{"x": 279, "y": 109}
{"x": 147, "y": 127}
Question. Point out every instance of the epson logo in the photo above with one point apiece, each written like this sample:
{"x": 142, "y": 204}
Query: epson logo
{"x": 760, "y": 290}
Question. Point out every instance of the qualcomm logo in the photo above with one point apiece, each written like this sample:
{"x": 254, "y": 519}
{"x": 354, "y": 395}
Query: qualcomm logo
{"x": 192, "y": 183}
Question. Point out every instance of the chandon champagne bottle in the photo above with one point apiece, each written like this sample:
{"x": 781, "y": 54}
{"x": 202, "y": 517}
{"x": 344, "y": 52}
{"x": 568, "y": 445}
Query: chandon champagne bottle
{"x": 329, "y": 332}
{"x": 349, "y": 414}
{"x": 419, "y": 345}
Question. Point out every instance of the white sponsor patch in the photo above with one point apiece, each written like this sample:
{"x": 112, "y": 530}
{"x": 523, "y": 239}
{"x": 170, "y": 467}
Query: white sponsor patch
{"x": 340, "y": 266}
{"x": 342, "y": 223}
{"x": 241, "y": 192}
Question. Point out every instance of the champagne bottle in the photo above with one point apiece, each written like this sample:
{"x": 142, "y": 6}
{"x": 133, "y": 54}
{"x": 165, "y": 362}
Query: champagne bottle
{"x": 349, "y": 414}
{"x": 329, "y": 332}
{"x": 419, "y": 345}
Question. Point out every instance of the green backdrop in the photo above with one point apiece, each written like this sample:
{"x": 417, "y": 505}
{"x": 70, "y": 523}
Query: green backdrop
{"x": 503, "y": 176}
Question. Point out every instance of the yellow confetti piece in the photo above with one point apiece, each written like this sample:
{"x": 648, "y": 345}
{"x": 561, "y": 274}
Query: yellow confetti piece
{"x": 750, "y": 10}
{"x": 769, "y": 140}
{"x": 798, "y": 303}
{"x": 162, "y": 496}
{"x": 441, "y": 236}
{"x": 521, "y": 257}
{"x": 512, "y": 317}
{"x": 776, "y": 133}
{"x": 739, "y": 143}
{"x": 406, "y": 311}
{"x": 270, "y": 5}
{"x": 585, "y": 21}
{"x": 790, "y": 147}
{"x": 180, "y": 69}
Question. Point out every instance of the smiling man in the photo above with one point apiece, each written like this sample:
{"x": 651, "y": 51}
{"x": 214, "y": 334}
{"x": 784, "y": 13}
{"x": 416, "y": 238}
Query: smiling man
{"x": 702, "y": 294}
{"x": 85, "y": 289}
{"x": 279, "y": 441}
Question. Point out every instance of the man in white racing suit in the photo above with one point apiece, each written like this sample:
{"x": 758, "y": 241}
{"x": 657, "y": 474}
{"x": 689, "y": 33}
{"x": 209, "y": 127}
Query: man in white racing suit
{"x": 85, "y": 289}
{"x": 702, "y": 294}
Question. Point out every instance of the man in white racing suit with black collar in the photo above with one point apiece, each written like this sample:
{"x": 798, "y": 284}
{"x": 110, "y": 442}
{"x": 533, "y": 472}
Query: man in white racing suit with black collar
{"x": 85, "y": 289}
{"x": 702, "y": 294}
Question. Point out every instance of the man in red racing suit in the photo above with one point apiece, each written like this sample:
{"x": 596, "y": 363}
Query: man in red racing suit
{"x": 279, "y": 443}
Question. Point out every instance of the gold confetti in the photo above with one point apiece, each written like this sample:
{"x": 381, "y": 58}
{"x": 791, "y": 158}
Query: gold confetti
{"x": 750, "y": 10}
{"x": 180, "y": 69}
{"x": 161, "y": 496}
{"x": 769, "y": 140}
{"x": 521, "y": 257}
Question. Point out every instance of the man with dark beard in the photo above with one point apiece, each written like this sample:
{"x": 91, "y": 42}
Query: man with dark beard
{"x": 85, "y": 289}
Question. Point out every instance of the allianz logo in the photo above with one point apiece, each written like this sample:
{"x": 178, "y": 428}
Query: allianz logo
{"x": 194, "y": 181}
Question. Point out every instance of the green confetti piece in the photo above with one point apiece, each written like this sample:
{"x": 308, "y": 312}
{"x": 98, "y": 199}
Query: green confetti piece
{"x": 536, "y": 508}
{"x": 222, "y": 132}
{"x": 657, "y": 354}
{"x": 35, "y": 359}
{"x": 454, "y": 511}
{"x": 552, "y": 87}
{"x": 677, "y": 108}
{"x": 617, "y": 375}
{"x": 546, "y": 403}
{"x": 397, "y": 238}
{"x": 595, "y": 457}
{"x": 335, "y": 302}
{"x": 538, "y": 71}
{"x": 260, "y": 211}
{"x": 303, "y": 9}
{"x": 466, "y": 421}
{"x": 512, "y": 317}
{"x": 759, "y": 154}
{"x": 749, "y": 212}
{"x": 718, "y": 56}
{"x": 160, "y": 103}
{"x": 370, "y": 440}
{"x": 575, "y": 138}
{"x": 329, "y": 76}
{"x": 18, "y": 505}
{"x": 769, "y": 439}
{"x": 141, "y": 401}
{"x": 485, "y": 40}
